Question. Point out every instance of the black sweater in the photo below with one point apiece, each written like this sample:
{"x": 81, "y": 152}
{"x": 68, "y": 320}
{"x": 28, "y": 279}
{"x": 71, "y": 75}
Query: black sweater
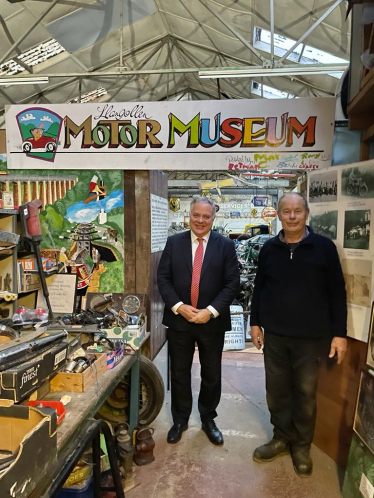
{"x": 300, "y": 294}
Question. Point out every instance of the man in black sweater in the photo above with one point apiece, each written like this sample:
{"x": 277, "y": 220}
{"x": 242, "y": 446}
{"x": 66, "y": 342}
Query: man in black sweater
{"x": 299, "y": 302}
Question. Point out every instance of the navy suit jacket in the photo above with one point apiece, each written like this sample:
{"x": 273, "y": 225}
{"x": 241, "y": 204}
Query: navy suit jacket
{"x": 219, "y": 279}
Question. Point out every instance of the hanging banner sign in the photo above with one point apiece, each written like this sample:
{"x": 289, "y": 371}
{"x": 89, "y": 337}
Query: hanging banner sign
{"x": 236, "y": 135}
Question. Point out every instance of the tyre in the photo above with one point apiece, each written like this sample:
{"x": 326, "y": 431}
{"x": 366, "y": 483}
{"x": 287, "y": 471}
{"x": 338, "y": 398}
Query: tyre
{"x": 152, "y": 391}
{"x": 27, "y": 147}
{"x": 50, "y": 147}
{"x": 151, "y": 396}
{"x": 244, "y": 236}
{"x": 350, "y": 189}
{"x": 363, "y": 190}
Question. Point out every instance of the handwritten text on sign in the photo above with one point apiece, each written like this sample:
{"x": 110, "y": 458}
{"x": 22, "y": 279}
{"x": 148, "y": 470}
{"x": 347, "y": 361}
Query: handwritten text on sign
{"x": 159, "y": 223}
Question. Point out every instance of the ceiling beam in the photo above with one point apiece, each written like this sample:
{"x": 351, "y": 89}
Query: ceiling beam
{"x": 28, "y": 31}
{"x": 310, "y": 30}
{"x": 234, "y": 32}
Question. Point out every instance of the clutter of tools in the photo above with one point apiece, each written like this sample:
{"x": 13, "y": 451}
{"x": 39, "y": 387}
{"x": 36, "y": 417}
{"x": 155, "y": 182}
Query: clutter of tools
{"x": 68, "y": 353}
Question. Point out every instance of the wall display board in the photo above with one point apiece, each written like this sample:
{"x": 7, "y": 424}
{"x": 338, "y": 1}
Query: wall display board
{"x": 159, "y": 223}
{"x": 341, "y": 206}
{"x": 203, "y": 135}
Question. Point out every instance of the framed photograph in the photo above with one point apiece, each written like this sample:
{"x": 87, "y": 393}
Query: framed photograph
{"x": 370, "y": 355}
{"x": 8, "y": 200}
{"x": 364, "y": 417}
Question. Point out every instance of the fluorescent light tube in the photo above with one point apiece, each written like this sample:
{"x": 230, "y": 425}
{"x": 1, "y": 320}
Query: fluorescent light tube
{"x": 32, "y": 80}
{"x": 269, "y": 72}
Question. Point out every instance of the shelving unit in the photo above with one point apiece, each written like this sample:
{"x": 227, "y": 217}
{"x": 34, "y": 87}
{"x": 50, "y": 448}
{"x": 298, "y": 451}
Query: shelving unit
{"x": 361, "y": 106}
{"x": 8, "y": 261}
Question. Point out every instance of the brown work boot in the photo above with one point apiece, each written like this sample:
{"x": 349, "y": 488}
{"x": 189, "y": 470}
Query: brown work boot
{"x": 302, "y": 462}
{"x": 271, "y": 450}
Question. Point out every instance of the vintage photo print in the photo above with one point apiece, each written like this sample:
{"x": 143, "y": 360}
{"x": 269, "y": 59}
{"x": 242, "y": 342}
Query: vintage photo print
{"x": 357, "y": 229}
{"x": 364, "y": 418}
{"x": 370, "y": 355}
{"x": 358, "y": 277}
{"x": 358, "y": 182}
{"x": 323, "y": 187}
{"x": 325, "y": 224}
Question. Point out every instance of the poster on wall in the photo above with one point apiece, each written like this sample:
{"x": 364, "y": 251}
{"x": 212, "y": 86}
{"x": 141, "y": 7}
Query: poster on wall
{"x": 82, "y": 223}
{"x": 233, "y": 135}
{"x": 370, "y": 355}
{"x": 364, "y": 417}
{"x": 345, "y": 218}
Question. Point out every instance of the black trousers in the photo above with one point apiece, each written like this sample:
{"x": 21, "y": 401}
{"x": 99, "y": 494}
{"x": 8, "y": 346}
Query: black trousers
{"x": 181, "y": 351}
{"x": 292, "y": 366}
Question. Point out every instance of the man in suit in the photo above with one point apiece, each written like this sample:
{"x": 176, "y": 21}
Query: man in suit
{"x": 198, "y": 278}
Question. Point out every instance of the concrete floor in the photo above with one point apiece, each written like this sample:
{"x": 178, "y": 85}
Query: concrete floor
{"x": 195, "y": 468}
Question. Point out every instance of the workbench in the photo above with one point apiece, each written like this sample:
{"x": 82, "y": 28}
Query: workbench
{"x": 83, "y": 406}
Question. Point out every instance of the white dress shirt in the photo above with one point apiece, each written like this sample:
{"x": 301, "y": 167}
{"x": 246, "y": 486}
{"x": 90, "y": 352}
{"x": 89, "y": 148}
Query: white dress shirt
{"x": 194, "y": 246}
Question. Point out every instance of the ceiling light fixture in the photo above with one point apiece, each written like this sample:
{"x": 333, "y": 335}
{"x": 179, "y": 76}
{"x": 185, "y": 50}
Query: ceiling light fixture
{"x": 259, "y": 72}
{"x": 31, "y": 80}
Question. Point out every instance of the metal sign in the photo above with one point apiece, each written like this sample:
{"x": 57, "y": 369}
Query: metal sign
{"x": 240, "y": 135}
{"x": 269, "y": 214}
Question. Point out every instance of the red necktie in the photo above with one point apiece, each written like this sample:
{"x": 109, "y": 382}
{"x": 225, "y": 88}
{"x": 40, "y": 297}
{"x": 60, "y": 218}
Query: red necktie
{"x": 197, "y": 265}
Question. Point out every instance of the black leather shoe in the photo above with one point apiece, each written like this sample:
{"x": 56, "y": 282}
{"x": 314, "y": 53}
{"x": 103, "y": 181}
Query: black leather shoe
{"x": 175, "y": 433}
{"x": 271, "y": 450}
{"x": 302, "y": 462}
{"x": 212, "y": 431}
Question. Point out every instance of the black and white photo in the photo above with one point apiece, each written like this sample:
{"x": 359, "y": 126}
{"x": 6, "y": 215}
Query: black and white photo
{"x": 323, "y": 187}
{"x": 357, "y": 229}
{"x": 358, "y": 182}
{"x": 325, "y": 224}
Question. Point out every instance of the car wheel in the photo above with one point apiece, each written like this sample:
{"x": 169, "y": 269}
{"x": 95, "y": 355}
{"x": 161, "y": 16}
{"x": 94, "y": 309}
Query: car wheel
{"x": 27, "y": 147}
{"x": 50, "y": 147}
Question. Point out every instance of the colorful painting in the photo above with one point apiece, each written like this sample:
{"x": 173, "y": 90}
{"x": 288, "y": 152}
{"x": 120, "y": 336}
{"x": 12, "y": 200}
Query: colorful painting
{"x": 2, "y": 162}
{"x": 82, "y": 223}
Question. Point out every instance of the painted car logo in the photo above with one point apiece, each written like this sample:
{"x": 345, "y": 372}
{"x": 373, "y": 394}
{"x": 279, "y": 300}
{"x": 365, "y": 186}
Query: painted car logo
{"x": 40, "y": 130}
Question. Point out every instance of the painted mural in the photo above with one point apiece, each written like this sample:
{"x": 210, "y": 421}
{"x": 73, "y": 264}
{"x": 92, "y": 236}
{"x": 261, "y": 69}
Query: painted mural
{"x": 82, "y": 222}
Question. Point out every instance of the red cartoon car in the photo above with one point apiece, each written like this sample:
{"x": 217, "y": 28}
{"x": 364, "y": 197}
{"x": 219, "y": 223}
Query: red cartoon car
{"x": 47, "y": 143}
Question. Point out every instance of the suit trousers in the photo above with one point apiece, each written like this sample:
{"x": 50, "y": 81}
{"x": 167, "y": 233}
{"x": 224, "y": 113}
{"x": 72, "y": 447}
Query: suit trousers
{"x": 292, "y": 367}
{"x": 181, "y": 350}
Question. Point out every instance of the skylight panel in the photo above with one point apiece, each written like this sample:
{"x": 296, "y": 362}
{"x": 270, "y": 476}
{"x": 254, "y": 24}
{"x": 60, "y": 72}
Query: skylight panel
{"x": 306, "y": 53}
{"x": 89, "y": 96}
{"x": 32, "y": 57}
{"x": 270, "y": 92}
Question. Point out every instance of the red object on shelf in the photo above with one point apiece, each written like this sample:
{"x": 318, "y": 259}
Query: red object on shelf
{"x": 56, "y": 405}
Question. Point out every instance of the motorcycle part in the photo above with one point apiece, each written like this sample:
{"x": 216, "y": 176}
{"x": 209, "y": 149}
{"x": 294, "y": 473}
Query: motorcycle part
{"x": 131, "y": 304}
{"x": 151, "y": 395}
{"x": 31, "y": 230}
{"x": 12, "y": 355}
{"x": 144, "y": 446}
{"x": 70, "y": 366}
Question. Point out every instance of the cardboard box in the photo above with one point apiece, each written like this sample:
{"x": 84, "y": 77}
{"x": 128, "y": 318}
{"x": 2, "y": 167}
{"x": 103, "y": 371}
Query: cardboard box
{"x": 31, "y": 265}
{"x": 80, "y": 382}
{"x": 31, "y": 432}
{"x": 19, "y": 382}
{"x": 114, "y": 357}
{"x": 28, "y": 282}
{"x": 132, "y": 334}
